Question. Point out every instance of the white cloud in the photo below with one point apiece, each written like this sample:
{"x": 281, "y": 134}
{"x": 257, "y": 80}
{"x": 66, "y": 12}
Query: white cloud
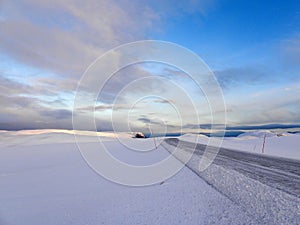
{"x": 66, "y": 36}
{"x": 291, "y": 50}
{"x": 276, "y": 105}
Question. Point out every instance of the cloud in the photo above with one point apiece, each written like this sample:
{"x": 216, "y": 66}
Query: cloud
{"x": 234, "y": 77}
{"x": 57, "y": 114}
{"x": 29, "y": 106}
{"x": 34, "y": 118}
{"x": 149, "y": 121}
{"x": 66, "y": 36}
{"x": 164, "y": 101}
{"x": 7, "y": 86}
{"x": 104, "y": 107}
{"x": 290, "y": 49}
{"x": 126, "y": 79}
{"x": 62, "y": 38}
{"x": 276, "y": 105}
{"x": 178, "y": 8}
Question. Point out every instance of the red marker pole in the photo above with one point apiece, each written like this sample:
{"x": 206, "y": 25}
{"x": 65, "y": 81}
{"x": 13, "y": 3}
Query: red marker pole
{"x": 263, "y": 147}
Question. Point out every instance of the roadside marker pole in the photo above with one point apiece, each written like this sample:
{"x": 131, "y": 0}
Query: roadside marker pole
{"x": 263, "y": 147}
{"x": 154, "y": 139}
{"x": 155, "y": 142}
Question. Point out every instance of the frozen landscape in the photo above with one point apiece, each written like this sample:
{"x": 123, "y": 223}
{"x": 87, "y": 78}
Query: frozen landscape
{"x": 45, "y": 180}
{"x": 160, "y": 83}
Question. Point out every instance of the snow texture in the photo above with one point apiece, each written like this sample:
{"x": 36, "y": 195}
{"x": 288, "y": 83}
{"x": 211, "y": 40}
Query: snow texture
{"x": 44, "y": 180}
{"x": 281, "y": 144}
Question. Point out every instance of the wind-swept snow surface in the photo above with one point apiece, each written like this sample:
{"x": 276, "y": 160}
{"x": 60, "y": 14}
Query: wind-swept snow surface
{"x": 44, "y": 180}
{"x": 281, "y": 144}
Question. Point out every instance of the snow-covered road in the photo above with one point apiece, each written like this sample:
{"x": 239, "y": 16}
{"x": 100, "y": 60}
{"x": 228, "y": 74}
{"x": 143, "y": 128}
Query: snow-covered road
{"x": 267, "y": 187}
{"x": 276, "y": 172}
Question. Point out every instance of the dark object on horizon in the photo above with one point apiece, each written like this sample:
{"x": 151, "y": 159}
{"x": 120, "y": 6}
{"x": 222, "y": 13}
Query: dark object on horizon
{"x": 139, "y": 135}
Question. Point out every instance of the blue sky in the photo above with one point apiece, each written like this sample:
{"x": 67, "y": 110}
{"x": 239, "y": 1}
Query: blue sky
{"x": 253, "y": 48}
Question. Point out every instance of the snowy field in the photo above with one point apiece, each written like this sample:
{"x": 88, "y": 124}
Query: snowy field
{"x": 280, "y": 144}
{"x": 44, "y": 180}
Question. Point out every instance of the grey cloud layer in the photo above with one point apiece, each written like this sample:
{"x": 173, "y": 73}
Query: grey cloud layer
{"x": 64, "y": 36}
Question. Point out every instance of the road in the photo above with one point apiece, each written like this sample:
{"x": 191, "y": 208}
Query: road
{"x": 280, "y": 173}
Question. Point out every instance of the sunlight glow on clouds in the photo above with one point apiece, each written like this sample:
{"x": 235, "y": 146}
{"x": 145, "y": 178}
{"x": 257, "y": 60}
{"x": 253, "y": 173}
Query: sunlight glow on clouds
{"x": 45, "y": 47}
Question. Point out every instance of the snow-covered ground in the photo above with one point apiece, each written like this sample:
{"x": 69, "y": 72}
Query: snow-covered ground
{"x": 44, "y": 180}
{"x": 267, "y": 187}
{"x": 282, "y": 144}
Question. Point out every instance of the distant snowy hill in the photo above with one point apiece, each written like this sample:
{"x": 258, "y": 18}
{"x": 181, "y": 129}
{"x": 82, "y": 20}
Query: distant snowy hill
{"x": 281, "y": 144}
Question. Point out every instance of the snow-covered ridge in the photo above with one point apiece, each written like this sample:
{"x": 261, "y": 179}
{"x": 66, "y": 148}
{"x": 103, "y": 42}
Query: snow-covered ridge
{"x": 50, "y": 136}
{"x": 258, "y": 134}
{"x": 276, "y": 144}
{"x": 77, "y": 132}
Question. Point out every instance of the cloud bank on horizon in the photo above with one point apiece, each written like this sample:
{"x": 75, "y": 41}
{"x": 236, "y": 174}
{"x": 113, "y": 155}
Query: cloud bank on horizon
{"x": 45, "y": 46}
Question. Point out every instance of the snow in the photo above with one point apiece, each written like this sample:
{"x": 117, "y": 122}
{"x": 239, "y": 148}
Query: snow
{"x": 49, "y": 136}
{"x": 264, "y": 204}
{"x": 260, "y": 134}
{"x": 282, "y": 145}
{"x": 44, "y": 180}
